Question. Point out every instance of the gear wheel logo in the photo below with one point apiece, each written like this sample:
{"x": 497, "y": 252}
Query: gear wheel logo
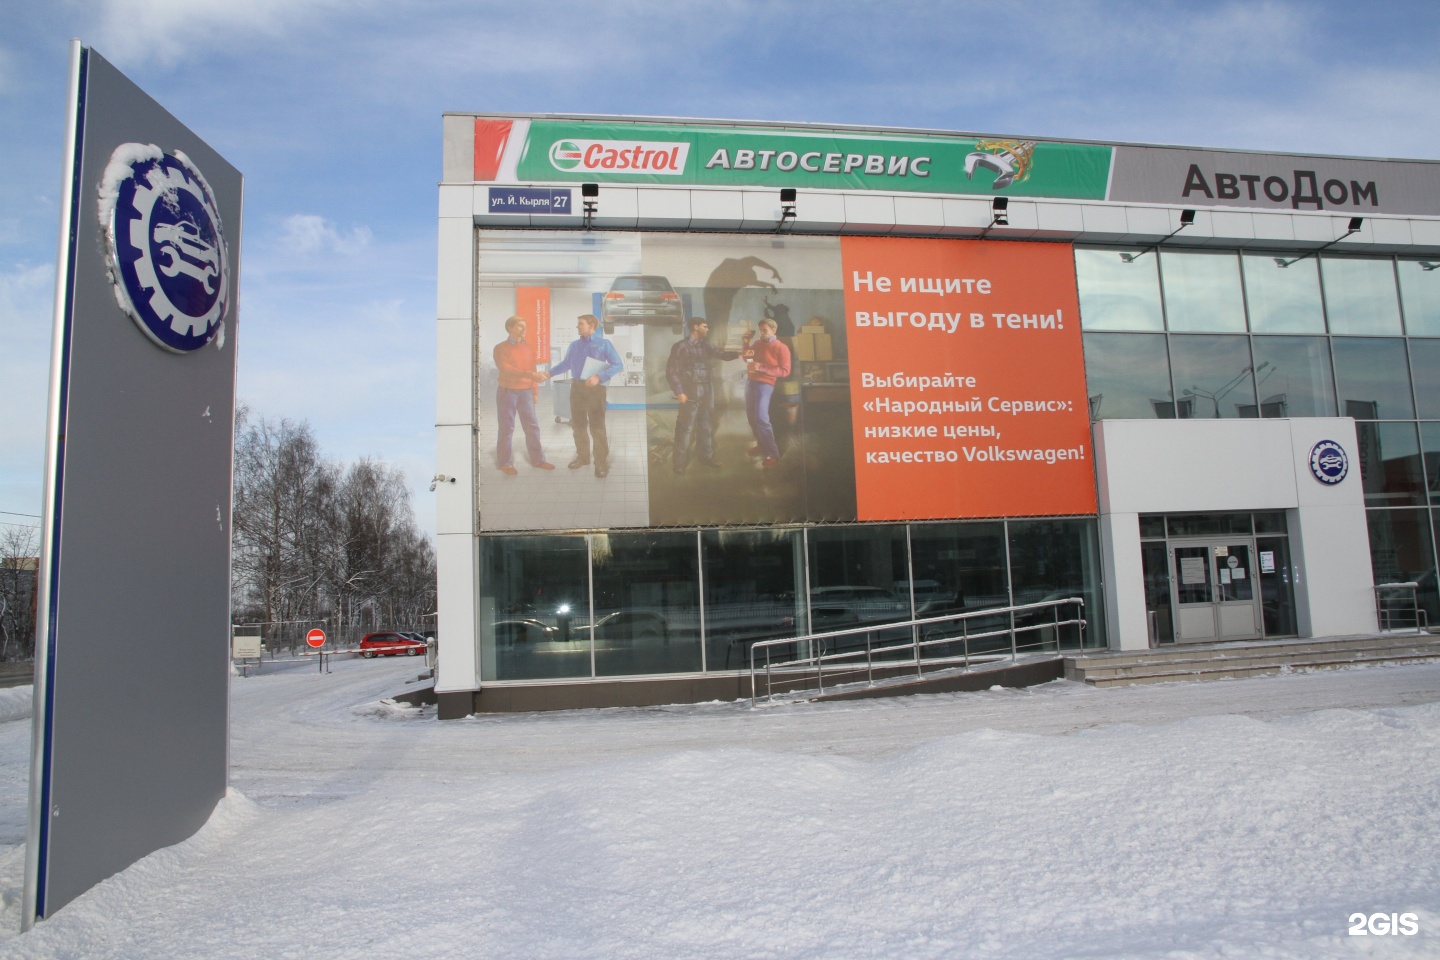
{"x": 168, "y": 258}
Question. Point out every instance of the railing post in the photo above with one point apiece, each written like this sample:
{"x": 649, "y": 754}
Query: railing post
{"x": 1014, "y": 656}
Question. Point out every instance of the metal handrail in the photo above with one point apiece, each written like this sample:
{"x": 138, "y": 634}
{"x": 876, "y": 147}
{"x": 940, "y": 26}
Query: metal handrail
{"x": 816, "y": 657}
{"x": 1387, "y": 608}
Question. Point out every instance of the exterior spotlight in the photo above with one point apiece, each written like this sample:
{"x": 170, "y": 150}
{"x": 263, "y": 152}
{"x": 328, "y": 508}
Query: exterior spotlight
{"x": 1353, "y": 227}
{"x": 590, "y": 196}
{"x": 1427, "y": 265}
{"x": 787, "y": 206}
{"x": 1187, "y": 217}
{"x": 438, "y": 479}
{"x": 1000, "y": 210}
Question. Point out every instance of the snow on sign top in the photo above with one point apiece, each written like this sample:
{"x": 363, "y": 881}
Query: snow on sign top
{"x": 316, "y": 637}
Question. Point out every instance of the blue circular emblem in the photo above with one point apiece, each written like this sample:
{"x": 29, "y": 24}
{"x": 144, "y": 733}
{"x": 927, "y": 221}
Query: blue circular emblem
{"x": 1328, "y": 462}
{"x": 168, "y": 258}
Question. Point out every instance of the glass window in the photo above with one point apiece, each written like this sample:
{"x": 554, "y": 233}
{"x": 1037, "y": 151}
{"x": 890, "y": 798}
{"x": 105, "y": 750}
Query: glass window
{"x": 647, "y": 603}
{"x": 1420, "y": 292}
{"x": 1152, "y": 526}
{"x": 960, "y": 568}
{"x": 1155, "y": 568}
{"x": 1425, "y": 365}
{"x": 1128, "y": 376}
{"x": 754, "y": 590}
{"x": 1401, "y": 551}
{"x": 1372, "y": 379}
{"x": 1116, "y": 293}
{"x": 1212, "y": 376}
{"x": 1209, "y": 524}
{"x": 1202, "y": 292}
{"x": 1270, "y": 522}
{"x": 1053, "y": 560}
{"x": 1277, "y": 592}
{"x": 1283, "y": 299}
{"x": 1360, "y": 295}
{"x": 1293, "y": 376}
{"x": 1430, "y": 453}
{"x": 1390, "y": 464}
{"x": 858, "y": 575}
{"x": 534, "y": 605}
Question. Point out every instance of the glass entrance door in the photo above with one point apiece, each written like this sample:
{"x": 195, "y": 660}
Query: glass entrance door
{"x": 1214, "y": 590}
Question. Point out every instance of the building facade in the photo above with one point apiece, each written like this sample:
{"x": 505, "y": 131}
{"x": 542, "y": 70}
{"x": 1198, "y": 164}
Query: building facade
{"x": 940, "y": 374}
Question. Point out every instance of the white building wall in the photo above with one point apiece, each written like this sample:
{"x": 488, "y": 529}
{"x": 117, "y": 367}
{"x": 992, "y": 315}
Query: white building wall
{"x": 1211, "y": 466}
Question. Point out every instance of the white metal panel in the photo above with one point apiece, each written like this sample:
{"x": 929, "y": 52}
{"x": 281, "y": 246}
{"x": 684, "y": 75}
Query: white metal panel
{"x": 454, "y": 370}
{"x": 457, "y": 200}
{"x": 1390, "y": 230}
{"x": 1318, "y": 228}
{"x": 1273, "y": 226}
{"x": 865, "y": 213}
{"x": 456, "y": 631}
{"x": 965, "y": 217}
{"x": 1105, "y": 221}
{"x": 716, "y": 210}
{"x": 617, "y": 208}
{"x": 455, "y": 457}
{"x": 663, "y": 209}
{"x": 1225, "y": 226}
{"x": 1173, "y": 466}
{"x": 761, "y": 209}
{"x": 1124, "y": 578}
{"x": 454, "y": 275}
{"x": 1148, "y": 223}
{"x": 818, "y": 212}
{"x": 1062, "y": 219}
{"x": 919, "y": 214}
{"x": 1425, "y": 232}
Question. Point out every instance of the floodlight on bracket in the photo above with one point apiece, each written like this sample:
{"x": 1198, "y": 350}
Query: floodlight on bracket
{"x": 590, "y": 198}
{"x": 787, "y": 207}
{"x": 1187, "y": 217}
{"x": 1354, "y": 227}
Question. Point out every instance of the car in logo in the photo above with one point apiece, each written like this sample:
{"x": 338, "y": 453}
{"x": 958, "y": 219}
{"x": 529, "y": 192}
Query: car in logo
{"x": 566, "y": 154}
{"x": 641, "y": 299}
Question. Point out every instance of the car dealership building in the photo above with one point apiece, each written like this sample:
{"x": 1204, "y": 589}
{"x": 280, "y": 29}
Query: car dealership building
{"x": 1199, "y": 389}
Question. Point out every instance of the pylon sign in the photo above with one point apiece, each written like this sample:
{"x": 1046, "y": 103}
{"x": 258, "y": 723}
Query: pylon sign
{"x": 130, "y": 744}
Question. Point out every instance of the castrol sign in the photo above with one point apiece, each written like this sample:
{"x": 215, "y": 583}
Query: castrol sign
{"x": 636, "y": 156}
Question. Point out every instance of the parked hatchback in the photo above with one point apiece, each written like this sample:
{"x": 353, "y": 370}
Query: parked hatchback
{"x": 641, "y": 300}
{"x": 390, "y": 644}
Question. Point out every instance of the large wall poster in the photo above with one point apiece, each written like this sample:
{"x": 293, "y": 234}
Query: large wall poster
{"x": 890, "y": 399}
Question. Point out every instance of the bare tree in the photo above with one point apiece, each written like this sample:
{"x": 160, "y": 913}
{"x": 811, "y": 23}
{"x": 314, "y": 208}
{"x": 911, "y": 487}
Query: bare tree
{"x": 317, "y": 541}
{"x": 19, "y": 565}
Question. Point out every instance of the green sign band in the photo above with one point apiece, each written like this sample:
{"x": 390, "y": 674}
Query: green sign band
{"x": 722, "y": 156}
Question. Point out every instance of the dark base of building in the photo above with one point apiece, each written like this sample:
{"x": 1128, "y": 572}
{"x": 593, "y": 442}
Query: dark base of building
{"x": 659, "y": 692}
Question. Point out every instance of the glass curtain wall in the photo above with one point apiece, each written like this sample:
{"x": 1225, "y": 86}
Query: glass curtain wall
{"x": 654, "y": 602}
{"x": 1317, "y": 336}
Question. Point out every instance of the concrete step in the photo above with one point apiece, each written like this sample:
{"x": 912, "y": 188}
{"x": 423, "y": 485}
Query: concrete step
{"x": 1248, "y": 660}
{"x": 1187, "y": 652}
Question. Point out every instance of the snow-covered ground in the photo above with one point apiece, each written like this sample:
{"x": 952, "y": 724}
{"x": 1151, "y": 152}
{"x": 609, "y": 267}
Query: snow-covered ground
{"x": 1226, "y": 819}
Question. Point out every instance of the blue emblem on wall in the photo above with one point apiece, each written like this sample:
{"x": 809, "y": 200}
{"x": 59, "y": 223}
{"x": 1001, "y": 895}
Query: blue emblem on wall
{"x": 1328, "y": 462}
{"x": 168, "y": 258}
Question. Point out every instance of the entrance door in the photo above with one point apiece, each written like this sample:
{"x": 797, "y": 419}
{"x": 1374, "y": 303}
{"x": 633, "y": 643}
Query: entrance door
{"x": 1213, "y": 585}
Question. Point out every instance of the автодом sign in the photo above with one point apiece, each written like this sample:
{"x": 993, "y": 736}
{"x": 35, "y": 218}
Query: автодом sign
{"x": 538, "y": 151}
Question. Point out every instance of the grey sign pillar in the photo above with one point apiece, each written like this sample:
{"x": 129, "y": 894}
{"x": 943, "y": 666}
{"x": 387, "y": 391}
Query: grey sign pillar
{"x": 130, "y": 749}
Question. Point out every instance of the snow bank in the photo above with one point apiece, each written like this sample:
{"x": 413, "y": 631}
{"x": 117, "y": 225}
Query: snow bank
{"x": 1236, "y": 820}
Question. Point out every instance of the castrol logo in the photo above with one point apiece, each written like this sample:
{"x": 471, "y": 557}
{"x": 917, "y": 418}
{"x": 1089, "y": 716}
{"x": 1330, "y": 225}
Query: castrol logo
{"x": 614, "y": 156}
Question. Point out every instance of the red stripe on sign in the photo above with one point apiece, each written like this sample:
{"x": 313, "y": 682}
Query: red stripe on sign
{"x": 490, "y": 139}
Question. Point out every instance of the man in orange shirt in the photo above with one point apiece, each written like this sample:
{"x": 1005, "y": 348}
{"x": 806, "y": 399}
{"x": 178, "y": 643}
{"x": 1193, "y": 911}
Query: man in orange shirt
{"x": 519, "y": 385}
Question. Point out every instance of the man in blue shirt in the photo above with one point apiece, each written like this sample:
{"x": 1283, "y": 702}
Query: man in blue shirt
{"x": 591, "y": 361}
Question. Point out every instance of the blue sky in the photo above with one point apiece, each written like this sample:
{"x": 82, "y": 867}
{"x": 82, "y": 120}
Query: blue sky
{"x": 331, "y": 109}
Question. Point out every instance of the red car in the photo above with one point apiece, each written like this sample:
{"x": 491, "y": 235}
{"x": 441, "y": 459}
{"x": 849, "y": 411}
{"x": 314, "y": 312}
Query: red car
{"x": 390, "y": 644}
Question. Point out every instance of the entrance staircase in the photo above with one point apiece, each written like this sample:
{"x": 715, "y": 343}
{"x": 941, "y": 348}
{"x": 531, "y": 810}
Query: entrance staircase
{"x": 1256, "y": 658}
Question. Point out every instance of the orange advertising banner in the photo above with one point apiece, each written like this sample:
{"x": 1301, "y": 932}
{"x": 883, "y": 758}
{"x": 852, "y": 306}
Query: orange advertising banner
{"x": 967, "y": 379}
{"x": 533, "y": 303}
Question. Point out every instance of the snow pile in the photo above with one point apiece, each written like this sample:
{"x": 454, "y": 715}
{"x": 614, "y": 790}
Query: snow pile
{"x": 1207, "y": 820}
{"x": 15, "y": 702}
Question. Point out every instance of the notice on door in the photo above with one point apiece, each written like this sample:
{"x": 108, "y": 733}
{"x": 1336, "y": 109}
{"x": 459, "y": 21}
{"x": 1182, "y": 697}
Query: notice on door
{"x": 1267, "y": 561}
{"x": 1192, "y": 570}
